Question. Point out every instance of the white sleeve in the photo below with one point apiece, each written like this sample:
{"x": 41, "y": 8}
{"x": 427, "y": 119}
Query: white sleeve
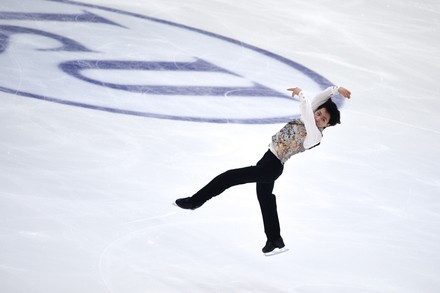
{"x": 313, "y": 136}
{"x": 323, "y": 96}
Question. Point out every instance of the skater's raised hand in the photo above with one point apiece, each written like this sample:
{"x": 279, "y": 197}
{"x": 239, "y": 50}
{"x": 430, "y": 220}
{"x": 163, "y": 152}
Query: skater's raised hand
{"x": 295, "y": 90}
{"x": 343, "y": 91}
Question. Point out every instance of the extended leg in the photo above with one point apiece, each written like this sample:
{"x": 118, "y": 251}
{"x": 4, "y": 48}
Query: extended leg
{"x": 221, "y": 183}
{"x": 268, "y": 169}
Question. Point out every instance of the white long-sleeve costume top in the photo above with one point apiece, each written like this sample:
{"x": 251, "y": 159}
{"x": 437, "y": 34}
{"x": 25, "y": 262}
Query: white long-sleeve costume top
{"x": 301, "y": 134}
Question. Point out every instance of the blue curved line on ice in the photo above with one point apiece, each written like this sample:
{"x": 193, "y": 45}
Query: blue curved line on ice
{"x": 320, "y": 80}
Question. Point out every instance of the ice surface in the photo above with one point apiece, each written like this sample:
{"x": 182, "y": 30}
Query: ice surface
{"x": 86, "y": 196}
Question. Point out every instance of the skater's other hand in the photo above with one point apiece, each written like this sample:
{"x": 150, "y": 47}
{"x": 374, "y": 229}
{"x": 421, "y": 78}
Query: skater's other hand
{"x": 295, "y": 90}
{"x": 343, "y": 91}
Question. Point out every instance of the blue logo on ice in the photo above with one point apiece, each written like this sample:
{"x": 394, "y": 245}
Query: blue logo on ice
{"x": 111, "y": 60}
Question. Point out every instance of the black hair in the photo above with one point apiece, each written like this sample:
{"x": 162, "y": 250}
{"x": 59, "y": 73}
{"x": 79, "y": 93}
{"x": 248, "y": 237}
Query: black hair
{"x": 332, "y": 109}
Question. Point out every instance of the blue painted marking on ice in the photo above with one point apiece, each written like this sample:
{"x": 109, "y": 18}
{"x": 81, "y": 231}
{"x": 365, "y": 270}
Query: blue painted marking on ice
{"x": 6, "y": 31}
{"x": 83, "y": 17}
{"x": 146, "y": 114}
{"x": 319, "y": 79}
{"x": 75, "y": 68}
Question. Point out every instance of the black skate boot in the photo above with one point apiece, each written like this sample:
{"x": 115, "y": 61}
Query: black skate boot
{"x": 187, "y": 203}
{"x": 272, "y": 244}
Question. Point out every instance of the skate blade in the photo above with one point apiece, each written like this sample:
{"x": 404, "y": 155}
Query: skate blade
{"x": 277, "y": 251}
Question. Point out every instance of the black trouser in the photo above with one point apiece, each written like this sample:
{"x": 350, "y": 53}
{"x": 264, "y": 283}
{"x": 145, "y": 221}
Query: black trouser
{"x": 267, "y": 170}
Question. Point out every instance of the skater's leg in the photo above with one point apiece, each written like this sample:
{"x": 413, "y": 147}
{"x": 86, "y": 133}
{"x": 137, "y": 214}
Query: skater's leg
{"x": 228, "y": 179}
{"x": 219, "y": 184}
{"x": 268, "y": 206}
{"x": 271, "y": 222}
{"x": 268, "y": 169}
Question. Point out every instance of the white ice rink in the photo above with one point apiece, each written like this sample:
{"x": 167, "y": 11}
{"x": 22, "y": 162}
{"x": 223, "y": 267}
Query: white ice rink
{"x": 86, "y": 195}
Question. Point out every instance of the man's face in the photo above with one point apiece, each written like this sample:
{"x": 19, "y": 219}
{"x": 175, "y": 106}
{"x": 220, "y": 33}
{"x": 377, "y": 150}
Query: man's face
{"x": 322, "y": 118}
